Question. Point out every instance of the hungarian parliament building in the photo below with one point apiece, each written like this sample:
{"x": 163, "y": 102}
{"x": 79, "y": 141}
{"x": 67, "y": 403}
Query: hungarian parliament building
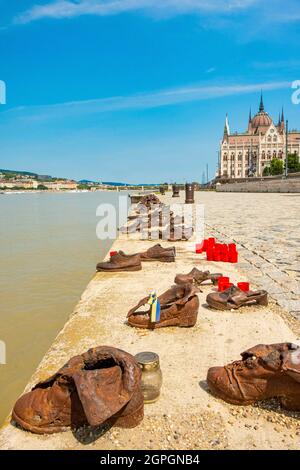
{"x": 247, "y": 154}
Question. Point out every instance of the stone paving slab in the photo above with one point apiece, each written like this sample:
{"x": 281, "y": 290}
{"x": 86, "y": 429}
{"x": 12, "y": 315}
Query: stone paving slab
{"x": 266, "y": 228}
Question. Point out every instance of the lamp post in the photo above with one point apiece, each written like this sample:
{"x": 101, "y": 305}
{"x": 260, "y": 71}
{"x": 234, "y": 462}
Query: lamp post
{"x": 219, "y": 163}
{"x": 286, "y": 148}
{"x": 251, "y": 165}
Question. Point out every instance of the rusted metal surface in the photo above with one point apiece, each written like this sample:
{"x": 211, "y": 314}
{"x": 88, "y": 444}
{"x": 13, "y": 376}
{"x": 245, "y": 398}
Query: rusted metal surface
{"x": 197, "y": 277}
{"x": 265, "y": 371}
{"x": 189, "y": 193}
{"x": 175, "y": 189}
{"x": 159, "y": 253}
{"x": 179, "y": 307}
{"x": 102, "y": 384}
{"x": 121, "y": 262}
{"x": 234, "y": 298}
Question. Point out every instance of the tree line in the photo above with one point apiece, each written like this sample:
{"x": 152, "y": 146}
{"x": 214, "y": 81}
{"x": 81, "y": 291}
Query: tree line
{"x": 277, "y": 166}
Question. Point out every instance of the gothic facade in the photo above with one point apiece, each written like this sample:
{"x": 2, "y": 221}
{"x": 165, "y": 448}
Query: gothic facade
{"x": 247, "y": 154}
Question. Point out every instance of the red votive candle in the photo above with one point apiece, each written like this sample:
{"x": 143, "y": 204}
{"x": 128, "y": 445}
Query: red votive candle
{"x": 211, "y": 242}
{"x": 225, "y": 257}
{"x": 201, "y": 247}
{"x": 224, "y": 254}
{"x": 244, "y": 286}
{"x": 233, "y": 257}
{"x": 112, "y": 253}
{"x": 227, "y": 286}
{"x": 222, "y": 281}
{"x": 216, "y": 254}
{"x": 210, "y": 254}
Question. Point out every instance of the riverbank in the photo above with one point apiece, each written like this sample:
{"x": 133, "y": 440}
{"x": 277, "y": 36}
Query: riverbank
{"x": 187, "y": 416}
{"x": 52, "y": 191}
{"x": 118, "y": 189}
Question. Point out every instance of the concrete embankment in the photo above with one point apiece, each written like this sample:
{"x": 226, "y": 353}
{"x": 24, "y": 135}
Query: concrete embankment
{"x": 186, "y": 416}
{"x": 291, "y": 185}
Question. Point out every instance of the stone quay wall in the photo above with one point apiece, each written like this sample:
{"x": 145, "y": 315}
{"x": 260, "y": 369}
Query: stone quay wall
{"x": 262, "y": 186}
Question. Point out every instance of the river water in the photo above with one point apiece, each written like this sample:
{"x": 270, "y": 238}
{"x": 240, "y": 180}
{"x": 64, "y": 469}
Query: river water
{"x": 48, "y": 253}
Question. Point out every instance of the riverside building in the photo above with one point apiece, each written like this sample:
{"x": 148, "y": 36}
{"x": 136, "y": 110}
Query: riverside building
{"x": 246, "y": 154}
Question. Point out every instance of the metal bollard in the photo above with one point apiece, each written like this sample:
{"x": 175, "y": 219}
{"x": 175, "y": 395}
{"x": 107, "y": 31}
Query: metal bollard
{"x": 189, "y": 193}
{"x": 175, "y": 189}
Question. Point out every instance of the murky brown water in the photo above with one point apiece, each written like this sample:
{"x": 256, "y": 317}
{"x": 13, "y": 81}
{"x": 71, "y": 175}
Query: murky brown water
{"x": 48, "y": 252}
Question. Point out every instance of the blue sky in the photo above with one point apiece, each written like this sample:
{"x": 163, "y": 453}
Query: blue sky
{"x": 137, "y": 90}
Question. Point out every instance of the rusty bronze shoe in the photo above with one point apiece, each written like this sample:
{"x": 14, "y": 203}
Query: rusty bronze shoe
{"x": 184, "y": 233}
{"x": 176, "y": 220}
{"x": 176, "y": 233}
{"x": 100, "y": 386}
{"x": 234, "y": 298}
{"x": 195, "y": 276}
{"x": 131, "y": 227}
{"x": 149, "y": 200}
{"x": 159, "y": 217}
{"x": 265, "y": 371}
{"x": 121, "y": 262}
{"x": 158, "y": 253}
{"x": 179, "y": 307}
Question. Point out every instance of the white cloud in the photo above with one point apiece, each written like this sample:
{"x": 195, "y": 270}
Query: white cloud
{"x": 139, "y": 101}
{"x": 71, "y": 8}
{"x": 276, "y": 65}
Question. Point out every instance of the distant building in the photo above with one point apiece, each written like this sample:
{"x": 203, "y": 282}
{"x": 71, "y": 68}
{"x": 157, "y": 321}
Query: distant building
{"x": 247, "y": 154}
{"x": 18, "y": 183}
{"x": 26, "y": 183}
{"x": 60, "y": 185}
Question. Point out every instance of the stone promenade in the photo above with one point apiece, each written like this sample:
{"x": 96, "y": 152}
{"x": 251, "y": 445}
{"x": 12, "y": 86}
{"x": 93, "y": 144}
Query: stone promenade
{"x": 267, "y": 229}
{"x": 187, "y": 416}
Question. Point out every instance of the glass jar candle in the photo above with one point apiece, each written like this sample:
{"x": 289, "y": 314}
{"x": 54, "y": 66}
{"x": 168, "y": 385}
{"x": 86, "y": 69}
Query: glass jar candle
{"x": 151, "y": 375}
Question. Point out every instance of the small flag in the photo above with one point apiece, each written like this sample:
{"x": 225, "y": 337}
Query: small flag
{"x": 155, "y": 308}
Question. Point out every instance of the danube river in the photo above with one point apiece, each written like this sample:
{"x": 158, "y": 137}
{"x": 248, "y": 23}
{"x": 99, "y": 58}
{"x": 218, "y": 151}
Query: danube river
{"x": 48, "y": 252}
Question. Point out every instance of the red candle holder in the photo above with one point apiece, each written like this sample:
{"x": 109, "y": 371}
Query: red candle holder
{"x": 244, "y": 286}
{"x": 224, "y": 253}
{"x": 216, "y": 254}
{"x": 233, "y": 257}
{"x": 225, "y": 256}
{"x": 222, "y": 281}
{"x": 232, "y": 247}
{"x": 211, "y": 242}
{"x": 201, "y": 247}
{"x": 227, "y": 286}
